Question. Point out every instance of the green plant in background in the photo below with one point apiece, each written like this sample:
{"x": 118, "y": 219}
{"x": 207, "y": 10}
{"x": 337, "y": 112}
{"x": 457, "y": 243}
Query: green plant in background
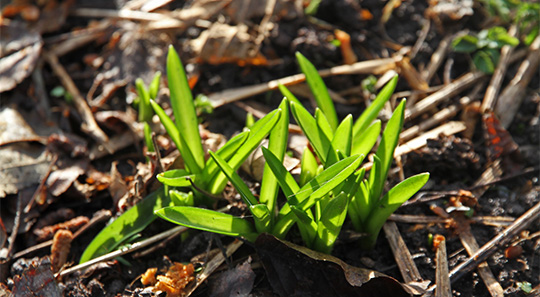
{"x": 485, "y": 47}
{"x": 202, "y": 175}
{"x": 145, "y": 110}
{"x": 367, "y": 209}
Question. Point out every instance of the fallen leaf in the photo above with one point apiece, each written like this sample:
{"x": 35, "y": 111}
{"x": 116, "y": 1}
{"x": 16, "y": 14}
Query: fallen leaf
{"x": 36, "y": 280}
{"x": 21, "y": 165}
{"x": 294, "y": 270}
{"x": 234, "y": 282}
{"x": 20, "y": 49}
{"x": 61, "y": 179}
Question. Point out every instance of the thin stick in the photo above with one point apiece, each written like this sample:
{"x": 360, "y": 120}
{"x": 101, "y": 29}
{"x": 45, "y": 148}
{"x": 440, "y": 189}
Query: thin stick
{"x": 447, "y": 129}
{"x": 471, "y": 246}
{"x": 89, "y": 124}
{"x": 441, "y": 273}
{"x": 405, "y": 262}
{"x": 212, "y": 265}
{"x": 437, "y": 58}
{"x": 371, "y": 66}
{"x": 495, "y": 243}
{"x": 131, "y": 248}
{"x": 512, "y": 96}
{"x": 16, "y": 224}
{"x": 490, "y": 98}
{"x": 456, "y": 87}
{"x": 98, "y": 217}
{"x": 437, "y": 118}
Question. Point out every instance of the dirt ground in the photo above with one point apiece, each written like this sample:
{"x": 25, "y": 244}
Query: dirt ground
{"x": 56, "y": 168}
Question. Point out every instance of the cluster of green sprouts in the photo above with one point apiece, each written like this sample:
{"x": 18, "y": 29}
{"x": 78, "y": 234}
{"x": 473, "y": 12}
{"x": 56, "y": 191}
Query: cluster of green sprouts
{"x": 332, "y": 184}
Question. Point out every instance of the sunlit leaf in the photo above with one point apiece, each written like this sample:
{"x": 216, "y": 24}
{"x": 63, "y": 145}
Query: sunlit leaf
{"x": 184, "y": 109}
{"x": 128, "y": 224}
{"x": 370, "y": 114}
{"x": 309, "y": 126}
{"x": 208, "y": 220}
{"x": 319, "y": 90}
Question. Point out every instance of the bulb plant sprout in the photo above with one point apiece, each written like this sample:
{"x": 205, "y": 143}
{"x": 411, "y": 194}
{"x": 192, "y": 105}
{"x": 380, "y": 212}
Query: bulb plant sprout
{"x": 202, "y": 175}
{"x": 367, "y": 209}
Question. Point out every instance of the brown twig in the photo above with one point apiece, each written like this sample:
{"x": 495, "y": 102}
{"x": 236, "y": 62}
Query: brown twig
{"x": 512, "y": 96}
{"x": 371, "y": 66}
{"x": 89, "y": 124}
{"x": 495, "y": 243}
{"x": 98, "y": 217}
{"x": 490, "y": 97}
{"x": 471, "y": 246}
{"x": 456, "y": 87}
{"x": 406, "y": 264}
{"x": 441, "y": 273}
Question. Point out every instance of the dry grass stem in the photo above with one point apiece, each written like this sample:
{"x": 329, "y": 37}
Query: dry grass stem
{"x": 405, "y": 262}
{"x": 441, "y": 273}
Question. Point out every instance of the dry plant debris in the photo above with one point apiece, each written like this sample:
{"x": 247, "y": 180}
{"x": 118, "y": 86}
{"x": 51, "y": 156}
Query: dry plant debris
{"x": 173, "y": 282}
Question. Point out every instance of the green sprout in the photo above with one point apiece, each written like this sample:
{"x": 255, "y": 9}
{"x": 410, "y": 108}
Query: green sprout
{"x": 145, "y": 110}
{"x": 202, "y": 176}
{"x": 368, "y": 209}
{"x": 485, "y": 47}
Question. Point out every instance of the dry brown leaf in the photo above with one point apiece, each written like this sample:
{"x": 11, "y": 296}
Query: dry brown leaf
{"x": 21, "y": 165}
{"x": 19, "y": 52}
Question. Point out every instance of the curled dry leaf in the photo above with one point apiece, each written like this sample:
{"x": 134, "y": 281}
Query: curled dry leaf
{"x": 60, "y": 248}
{"x": 177, "y": 277}
{"x": 19, "y": 51}
{"x": 73, "y": 225}
{"x": 298, "y": 271}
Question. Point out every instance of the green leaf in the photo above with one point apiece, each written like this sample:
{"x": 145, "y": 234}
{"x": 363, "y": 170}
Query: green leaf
{"x": 325, "y": 182}
{"x": 125, "y": 226}
{"x": 310, "y": 193}
{"x": 145, "y": 111}
{"x": 501, "y": 36}
{"x": 308, "y": 166}
{"x": 484, "y": 62}
{"x": 235, "y": 179}
{"x": 391, "y": 202}
{"x": 173, "y": 133}
{"x": 208, "y": 220}
{"x": 261, "y": 217}
{"x": 318, "y": 88}
{"x": 386, "y": 148}
{"x": 175, "y": 178}
{"x": 363, "y": 202}
{"x": 323, "y": 124}
{"x": 154, "y": 86}
{"x": 341, "y": 142}
{"x": 225, "y": 152}
{"x": 306, "y": 224}
{"x": 290, "y": 96}
{"x": 277, "y": 144}
{"x": 148, "y": 137}
{"x": 465, "y": 44}
{"x": 181, "y": 198}
{"x": 309, "y": 126}
{"x": 363, "y": 143}
{"x": 371, "y": 112}
{"x": 329, "y": 226}
{"x": 184, "y": 109}
{"x": 258, "y": 132}
{"x": 284, "y": 178}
